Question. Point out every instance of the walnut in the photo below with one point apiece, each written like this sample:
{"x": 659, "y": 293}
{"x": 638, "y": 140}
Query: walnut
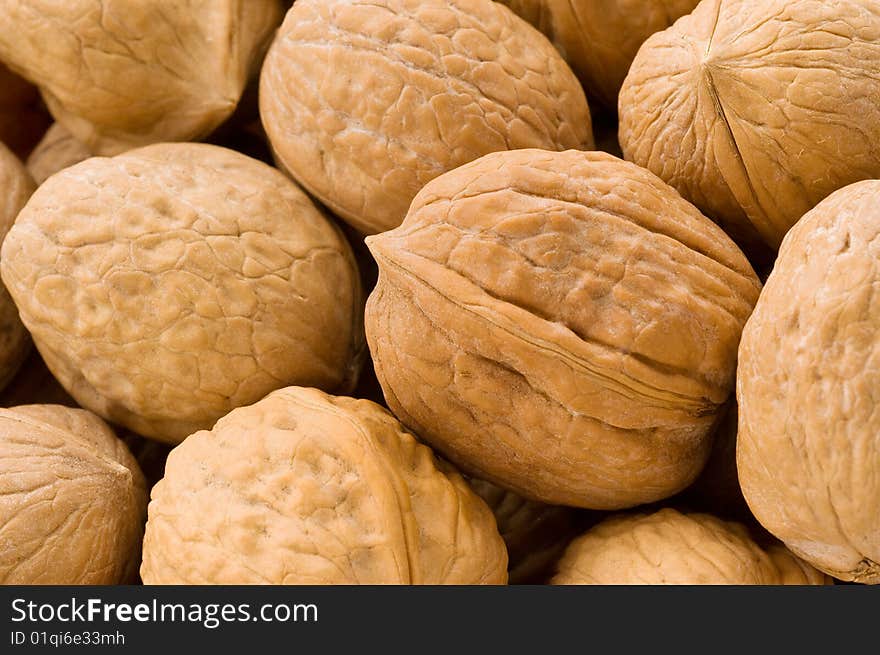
{"x": 120, "y": 74}
{"x": 561, "y": 324}
{"x": 365, "y": 101}
{"x": 168, "y": 285}
{"x": 72, "y": 499}
{"x": 755, "y": 110}
{"x": 808, "y": 444}
{"x": 307, "y": 488}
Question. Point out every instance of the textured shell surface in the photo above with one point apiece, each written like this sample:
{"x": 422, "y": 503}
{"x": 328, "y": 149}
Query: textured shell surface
{"x": 561, "y": 324}
{"x": 365, "y": 101}
{"x": 307, "y": 488}
{"x": 170, "y": 284}
{"x": 808, "y": 444}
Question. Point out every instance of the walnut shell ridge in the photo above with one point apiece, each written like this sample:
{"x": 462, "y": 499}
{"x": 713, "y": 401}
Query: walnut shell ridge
{"x": 365, "y": 101}
{"x": 755, "y": 110}
{"x": 564, "y": 325}
{"x": 168, "y": 285}
{"x": 72, "y": 499}
{"x": 808, "y": 441}
{"x": 307, "y": 488}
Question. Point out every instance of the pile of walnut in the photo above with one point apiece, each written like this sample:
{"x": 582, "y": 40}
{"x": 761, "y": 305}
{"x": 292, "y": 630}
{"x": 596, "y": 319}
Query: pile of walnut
{"x": 440, "y": 291}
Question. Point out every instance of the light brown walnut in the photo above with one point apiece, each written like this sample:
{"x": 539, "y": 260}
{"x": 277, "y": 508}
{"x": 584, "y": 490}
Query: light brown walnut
{"x": 365, "y": 101}
{"x": 72, "y": 499}
{"x": 307, "y": 488}
{"x": 755, "y": 110}
{"x": 564, "y": 325}
{"x": 119, "y": 74}
{"x": 808, "y": 444}
{"x": 671, "y": 548}
{"x": 168, "y": 285}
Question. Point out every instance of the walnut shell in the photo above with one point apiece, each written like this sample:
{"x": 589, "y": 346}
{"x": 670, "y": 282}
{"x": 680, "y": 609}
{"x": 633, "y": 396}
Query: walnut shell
{"x": 600, "y": 38}
{"x": 306, "y": 488}
{"x": 57, "y": 150}
{"x": 668, "y": 547}
{"x": 72, "y": 499}
{"x": 808, "y": 446}
{"x": 121, "y": 74}
{"x": 561, "y": 324}
{"x": 365, "y": 101}
{"x": 755, "y": 110}
{"x": 16, "y": 186}
{"x": 168, "y": 285}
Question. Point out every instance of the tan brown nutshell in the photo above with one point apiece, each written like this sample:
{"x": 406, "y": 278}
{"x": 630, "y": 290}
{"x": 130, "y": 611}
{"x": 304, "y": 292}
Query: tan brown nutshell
{"x": 564, "y": 325}
{"x": 72, "y": 499}
{"x": 57, "y": 150}
{"x": 123, "y": 74}
{"x": 535, "y": 534}
{"x": 16, "y": 186}
{"x": 365, "y": 101}
{"x": 168, "y": 285}
{"x": 808, "y": 446}
{"x": 600, "y": 38}
{"x": 755, "y": 110}
{"x": 668, "y": 547}
{"x": 307, "y": 488}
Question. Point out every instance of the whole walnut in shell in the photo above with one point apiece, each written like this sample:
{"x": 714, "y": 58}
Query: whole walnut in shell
{"x": 168, "y": 285}
{"x": 72, "y": 499}
{"x": 600, "y": 38}
{"x": 365, "y": 101}
{"x": 125, "y": 73}
{"x": 808, "y": 446}
{"x": 57, "y": 150}
{"x": 307, "y": 488}
{"x": 16, "y": 186}
{"x": 561, "y": 324}
{"x": 668, "y": 547}
{"x": 755, "y": 110}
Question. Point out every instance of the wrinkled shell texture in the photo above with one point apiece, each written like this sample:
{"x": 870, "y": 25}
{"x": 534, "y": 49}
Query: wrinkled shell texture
{"x": 72, "y": 499}
{"x": 561, "y": 324}
{"x": 57, "y": 150}
{"x": 428, "y": 85}
{"x": 668, "y": 547}
{"x": 600, "y": 38}
{"x": 755, "y": 110}
{"x": 16, "y": 186}
{"x": 808, "y": 449}
{"x": 306, "y": 488}
{"x": 535, "y": 534}
{"x": 167, "y": 286}
{"x": 125, "y": 73}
